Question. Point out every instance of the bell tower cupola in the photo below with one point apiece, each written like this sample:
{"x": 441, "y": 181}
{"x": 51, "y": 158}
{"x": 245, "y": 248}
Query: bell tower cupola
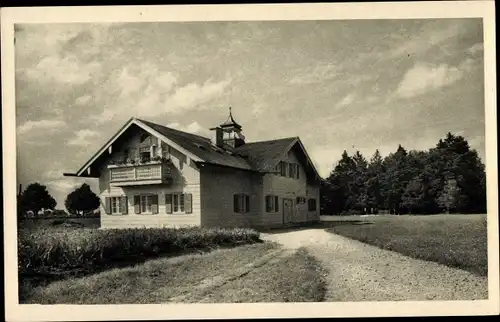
{"x": 229, "y": 133}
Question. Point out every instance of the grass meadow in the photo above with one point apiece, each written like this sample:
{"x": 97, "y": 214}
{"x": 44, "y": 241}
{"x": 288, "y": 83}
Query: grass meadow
{"x": 454, "y": 240}
{"x": 294, "y": 278}
{"x": 49, "y": 254}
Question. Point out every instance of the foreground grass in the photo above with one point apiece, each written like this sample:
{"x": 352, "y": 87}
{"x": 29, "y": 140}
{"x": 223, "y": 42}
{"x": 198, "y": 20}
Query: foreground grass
{"x": 453, "y": 240}
{"x": 294, "y": 278}
{"x": 46, "y": 255}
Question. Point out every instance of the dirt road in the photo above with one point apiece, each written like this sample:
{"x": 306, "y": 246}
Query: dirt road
{"x": 361, "y": 272}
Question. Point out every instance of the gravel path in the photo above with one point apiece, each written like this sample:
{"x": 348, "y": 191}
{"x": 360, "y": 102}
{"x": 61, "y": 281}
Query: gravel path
{"x": 361, "y": 272}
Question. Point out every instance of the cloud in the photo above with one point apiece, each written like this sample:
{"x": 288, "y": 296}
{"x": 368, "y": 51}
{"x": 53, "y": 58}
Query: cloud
{"x": 45, "y": 125}
{"x": 476, "y": 48}
{"x": 145, "y": 94}
{"x": 424, "y": 77}
{"x": 82, "y": 100}
{"x": 194, "y": 128}
{"x": 81, "y": 138}
{"x": 315, "y": 74}
{"x": 68, "y": 70}
{"x": 193, "y": 94}
{"x": 348, "y": 99}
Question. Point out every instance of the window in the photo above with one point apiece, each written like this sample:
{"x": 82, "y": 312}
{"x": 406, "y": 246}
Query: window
{"x": 146, "y": 204}
{"x": 301, "y": 200}
{"x": 272, "y": 203}
{"x": 179, "y": 203}
{"x": 311, "y": 206}
{"x": 153, "y": 150}
{"x": 284, "y": 168}
{"x": 116, "y": 205}
{"x": 241, "y": 203}
{"x": 291, "y": 170}
{"x": 145, "y": 154}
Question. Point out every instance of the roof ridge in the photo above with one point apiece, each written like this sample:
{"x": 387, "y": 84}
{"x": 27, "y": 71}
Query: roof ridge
{"x": 273, "y": 140}
{"x": 175, "y": 130}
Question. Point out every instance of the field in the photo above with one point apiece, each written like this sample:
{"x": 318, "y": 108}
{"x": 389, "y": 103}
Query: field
{"x": 454, "y": 240}
{"x": 49, "y": 254}
{"x": 217, "y": 277}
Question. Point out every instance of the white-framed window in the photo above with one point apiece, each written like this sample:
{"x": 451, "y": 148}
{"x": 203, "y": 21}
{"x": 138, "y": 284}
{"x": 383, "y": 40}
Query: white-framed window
{"x": 241, "y": 203}
{"x": 115, "y": 205}
{"x": 178, "y": 202}
{"x": 272, "y": 203}
{"x": 146, "y": 202}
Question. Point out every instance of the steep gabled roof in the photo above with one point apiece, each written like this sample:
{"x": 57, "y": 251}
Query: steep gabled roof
{"x": 202, "y": 147}
{"x": 254, "y": 156}
{"x": 264, "y": 155}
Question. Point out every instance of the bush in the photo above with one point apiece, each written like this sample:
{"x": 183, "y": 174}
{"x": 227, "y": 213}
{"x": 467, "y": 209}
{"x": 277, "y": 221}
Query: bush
{"x": 89, "y": 250}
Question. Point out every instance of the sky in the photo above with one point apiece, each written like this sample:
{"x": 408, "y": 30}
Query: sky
{"x": 338, "y": 85}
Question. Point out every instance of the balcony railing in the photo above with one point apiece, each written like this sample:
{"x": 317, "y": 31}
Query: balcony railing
{"x": 129, "y": 174}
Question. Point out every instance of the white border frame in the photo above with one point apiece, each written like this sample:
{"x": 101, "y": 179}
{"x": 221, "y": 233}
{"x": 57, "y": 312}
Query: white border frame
{"x": 262, "y": 12}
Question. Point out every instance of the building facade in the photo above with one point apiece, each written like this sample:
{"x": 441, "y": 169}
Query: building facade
{"x": 154, "y": 176}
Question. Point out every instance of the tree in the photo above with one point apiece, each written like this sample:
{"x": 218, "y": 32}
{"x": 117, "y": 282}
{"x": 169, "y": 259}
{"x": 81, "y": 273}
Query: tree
{"x": 82, "y": 200}
{"x": 414, "y": 196}
{"x": 358, "y": 188}
{"x": 395, "y": 179}
{"x": 450, "y": 195}
{"x": 374, "y": 174}
{"x": 35, "y": 198}
{"x": 456, "y": 160}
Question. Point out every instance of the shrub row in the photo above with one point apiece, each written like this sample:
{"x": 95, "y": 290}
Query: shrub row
{"x": 52, "y": 250}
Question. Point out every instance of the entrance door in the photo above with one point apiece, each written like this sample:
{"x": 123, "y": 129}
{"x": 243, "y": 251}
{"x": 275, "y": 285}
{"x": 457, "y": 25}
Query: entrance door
{"x": 287, "y": 211}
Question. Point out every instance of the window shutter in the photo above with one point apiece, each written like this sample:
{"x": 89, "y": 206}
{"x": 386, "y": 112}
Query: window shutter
{"x": 154, "y": 204}
{"x": 188, "y": 203}
{"x": 137, "y": 204}
{"x": 107, "y": 205}
{"x": 235, "y": 203}
{"x": 168, "y": 203}
{"x": 297, "y": 171}
{"x": 276, "y": 204}
{"x": 123, "y": 205}
{"x": 247, "y": 203}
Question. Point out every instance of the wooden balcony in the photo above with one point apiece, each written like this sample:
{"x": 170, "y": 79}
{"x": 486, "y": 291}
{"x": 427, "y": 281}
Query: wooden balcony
{"x": 140, "y": 174}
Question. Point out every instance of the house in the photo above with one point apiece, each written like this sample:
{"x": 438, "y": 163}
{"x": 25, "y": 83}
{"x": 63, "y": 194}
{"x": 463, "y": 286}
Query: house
{"x": 154, "y": 176}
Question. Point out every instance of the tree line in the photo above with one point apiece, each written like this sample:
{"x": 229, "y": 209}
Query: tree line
{"x": 447, "y": 178}
{"x": 36, "y": 197}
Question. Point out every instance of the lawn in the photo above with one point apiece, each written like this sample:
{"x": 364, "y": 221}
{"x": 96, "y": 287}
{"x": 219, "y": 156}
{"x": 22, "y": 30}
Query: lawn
{"x": 295, "y": 277}
{"x": 453, "y": 240}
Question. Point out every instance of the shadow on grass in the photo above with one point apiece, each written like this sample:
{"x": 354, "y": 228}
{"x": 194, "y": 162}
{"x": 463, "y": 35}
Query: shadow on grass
{"x": 318, "y": 225}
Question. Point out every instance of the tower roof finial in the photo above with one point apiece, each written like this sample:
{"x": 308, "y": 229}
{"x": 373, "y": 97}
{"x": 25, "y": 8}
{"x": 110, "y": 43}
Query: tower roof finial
{"x": 230, "y": 120}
